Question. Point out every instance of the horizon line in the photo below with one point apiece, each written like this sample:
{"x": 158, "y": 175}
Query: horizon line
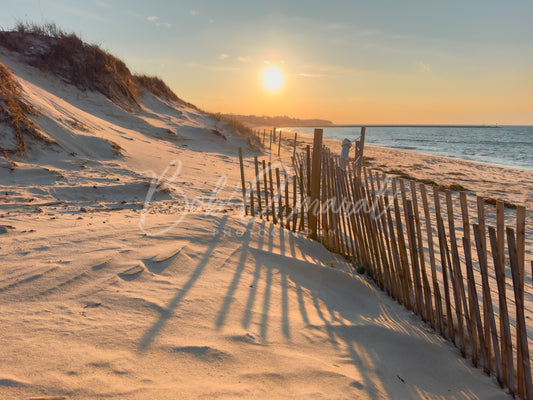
{"x": 387, "y": 126}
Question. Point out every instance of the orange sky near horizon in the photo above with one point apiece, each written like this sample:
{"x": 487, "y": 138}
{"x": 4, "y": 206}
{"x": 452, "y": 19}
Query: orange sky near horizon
{"x": 419, "y": 97}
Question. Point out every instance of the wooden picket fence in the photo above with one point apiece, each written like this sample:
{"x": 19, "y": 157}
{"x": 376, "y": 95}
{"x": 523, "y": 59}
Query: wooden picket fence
{"x": 438, "y": 253}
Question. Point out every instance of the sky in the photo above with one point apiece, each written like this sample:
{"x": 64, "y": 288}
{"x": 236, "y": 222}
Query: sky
{"x": 348, "y": 61}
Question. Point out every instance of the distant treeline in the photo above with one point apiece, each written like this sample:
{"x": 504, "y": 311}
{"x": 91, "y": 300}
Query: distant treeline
{"x": 280, "y": 121}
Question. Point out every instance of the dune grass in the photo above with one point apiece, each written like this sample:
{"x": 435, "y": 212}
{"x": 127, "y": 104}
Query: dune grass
{"x": 16, "y": 113}
{"x": 239, "y": 128}
{"x": 156, "y": 86}
{"x": 86, "y": 66}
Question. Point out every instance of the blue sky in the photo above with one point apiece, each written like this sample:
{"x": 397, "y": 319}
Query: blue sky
{"x": 408, "y": 61}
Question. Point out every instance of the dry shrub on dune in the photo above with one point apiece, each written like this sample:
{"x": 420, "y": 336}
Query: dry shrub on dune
{"x": 86, "y": 66}
{"x": 15, "y": 112}
{"x": 157, "y": 87}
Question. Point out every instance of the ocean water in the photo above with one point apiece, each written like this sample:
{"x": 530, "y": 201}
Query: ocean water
{"x": 508, "y": 146}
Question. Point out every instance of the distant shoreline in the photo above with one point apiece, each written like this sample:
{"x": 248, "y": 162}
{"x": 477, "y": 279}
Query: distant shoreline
{"x": 467, "y": 151}
{"x": 510, "y": 184}
{"x": 390, "y": 126}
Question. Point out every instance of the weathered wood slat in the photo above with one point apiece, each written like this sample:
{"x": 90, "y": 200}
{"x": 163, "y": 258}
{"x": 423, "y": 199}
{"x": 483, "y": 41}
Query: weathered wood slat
{"x": 505, "y": 333}
{"x": 258, "y": 187}
{"x": 479, "y": 236}
{"x": 420, "y": 246}
{"x": 445, "y": 264}
{"x": 461, "y": 307}
{"x": 243, "y": 183}
{"x": 265, "y": 185}
{"x": 486, "y": 300}
{"x": 525, "y": 385}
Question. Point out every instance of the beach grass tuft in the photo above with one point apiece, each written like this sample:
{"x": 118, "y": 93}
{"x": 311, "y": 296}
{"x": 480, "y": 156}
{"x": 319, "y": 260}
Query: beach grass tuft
{"x": 16, "y": 113}
{"x": 493, "y": 201}
{"x": 454, "y": 187}
{"x": 157, "y": 87}
{"x": 239, "y": 128}
{"x": 116, "y": 148}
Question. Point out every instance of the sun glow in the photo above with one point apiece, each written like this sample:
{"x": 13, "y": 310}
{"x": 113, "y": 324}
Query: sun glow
{"x": 272, "y": 78}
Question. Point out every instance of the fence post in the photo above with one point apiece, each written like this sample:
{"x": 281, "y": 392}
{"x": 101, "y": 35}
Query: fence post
{"x": 294, "y": 145}
{"x": 252, "y": 206}
{"x": 294, "y": 213}
{"x": 265, "y": 183}
{"x": 524, "y": 383}
{"x": 315, "y": 183}
{"x": 258, "y": 186}
{"x": 520, "y": 253}
{"x": 479, "y": 236}
{"x": 280, "y": 199}
{"x": 431, "y": 248}
{"x": 243, "y": 184}
{"x": 483, "y": 248}
{"x": 279, "y": 143}
{"x": 360, "y": 151}
{"x": 505, "y": 333}
{"x": 308, "y": 170}
{"x": 500, "y": 250}
{"x": 272, "y": 202}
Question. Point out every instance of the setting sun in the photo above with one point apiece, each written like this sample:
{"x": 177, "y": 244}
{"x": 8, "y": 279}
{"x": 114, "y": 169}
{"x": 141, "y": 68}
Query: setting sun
{"x": 272, "y": 78}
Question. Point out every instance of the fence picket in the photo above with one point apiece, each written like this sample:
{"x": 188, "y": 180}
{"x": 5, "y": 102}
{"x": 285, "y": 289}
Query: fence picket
{"x": 505, "y": 333}
{"x": 258, "y": 187}
{"x": 486, "y": 300}
{"x": 525, "y": 385}
{"x": 479, "y": 236}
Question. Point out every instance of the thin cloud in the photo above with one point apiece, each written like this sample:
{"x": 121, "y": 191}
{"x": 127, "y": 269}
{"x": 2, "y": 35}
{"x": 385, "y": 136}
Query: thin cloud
{"x": 102, "y": 3}
{"x": 310, "y": 75}
{"x": 328, "y": 70}
{"x": 211, "y": 67}
{"x": 424, "y": 67}
{"x": 156, "y": 21}
{"x": 194, "y": 12}
{"x": 333, "y": 27}
{"x": 223, "y": 56}
{"x": 244, "y": 59}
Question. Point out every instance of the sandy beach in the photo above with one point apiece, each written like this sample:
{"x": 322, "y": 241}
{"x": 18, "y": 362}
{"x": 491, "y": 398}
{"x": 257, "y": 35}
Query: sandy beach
{"x": 135, "y": 276}
{"x": 511, "y": 185}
